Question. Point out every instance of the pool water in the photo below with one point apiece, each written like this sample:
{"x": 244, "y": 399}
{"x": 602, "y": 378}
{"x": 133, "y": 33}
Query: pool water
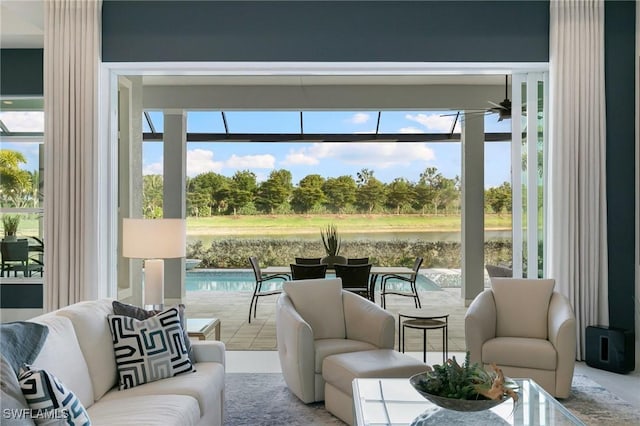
{"x": 241, "y": 280}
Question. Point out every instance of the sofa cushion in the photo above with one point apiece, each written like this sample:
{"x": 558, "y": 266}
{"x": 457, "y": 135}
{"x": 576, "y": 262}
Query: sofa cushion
{"x": 138, "y": 313}
{"x": 522, "y": 306}
{"x": 89, "y": 321}
{"x": 11, "y": 397}
{"x": 147, "y": 410}
{"x": 148, "y": 350}
{"x": 46, "y": 394}
{"x": 324, "y": 311}
{"x": 520, "y": 352}
{"x": 61, "y": 355}
{"x": 205, "y": 385}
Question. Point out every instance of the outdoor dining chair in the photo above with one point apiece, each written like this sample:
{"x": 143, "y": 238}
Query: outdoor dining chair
{"x": 355, "y": 278}
{"x": 411, "y": 280}
{"x": 15, "y": 257}
{"x": 357, "y": 260}
{"x": 307, "y": 272}
{"x": 260, "y": 279}
{"x": 308, "y": 260}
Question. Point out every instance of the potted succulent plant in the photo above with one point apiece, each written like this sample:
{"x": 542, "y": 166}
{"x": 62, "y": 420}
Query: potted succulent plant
{"x": 464, "y": 387}
{"x": 331, "y": 242}
{"x": 10, "y": 224}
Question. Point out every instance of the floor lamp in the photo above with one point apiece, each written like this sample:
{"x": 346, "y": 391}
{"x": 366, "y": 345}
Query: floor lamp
{"x": 154, "y": 240}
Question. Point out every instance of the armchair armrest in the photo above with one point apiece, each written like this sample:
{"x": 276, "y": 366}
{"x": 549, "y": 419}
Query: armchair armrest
{"x": 480, "y": 324}
{"x": 296, "y": 350}
{"x": 562, "y": 335}
{"x": 367, "y": 322}
{"x": 208, "y": 351}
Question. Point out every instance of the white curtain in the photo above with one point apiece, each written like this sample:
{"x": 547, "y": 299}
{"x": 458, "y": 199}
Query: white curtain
{"x": 71, "y": 64}
{"x": 577, "y": 217}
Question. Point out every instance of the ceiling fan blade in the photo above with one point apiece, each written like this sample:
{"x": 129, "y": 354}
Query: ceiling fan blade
{"x": 496, "y": 105}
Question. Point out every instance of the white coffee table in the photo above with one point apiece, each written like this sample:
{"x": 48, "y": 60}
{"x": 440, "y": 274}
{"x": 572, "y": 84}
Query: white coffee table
{"x": 396, "y": 402}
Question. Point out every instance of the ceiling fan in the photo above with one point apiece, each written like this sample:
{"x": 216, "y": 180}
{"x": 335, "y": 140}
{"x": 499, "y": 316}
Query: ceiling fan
{"x": 503, "y": 109}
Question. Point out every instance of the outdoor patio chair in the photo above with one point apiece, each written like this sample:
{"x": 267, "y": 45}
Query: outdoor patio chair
{"x": 355, "y": 278}
{"x": 411, "y": 280}
{"x": 308, "y": 260}
{"x": 307, "y": 272}
{"x": 357, "y": 260}
{"x": 15, "y": 257}
{"x": 499, "y": 271}
{"x": 260, "y": 279}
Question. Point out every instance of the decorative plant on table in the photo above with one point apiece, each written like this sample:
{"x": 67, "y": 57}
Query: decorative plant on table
{"x": 470, "y": 383}
{"x": 331, "y": 240}
{"x": 10, "y": 224}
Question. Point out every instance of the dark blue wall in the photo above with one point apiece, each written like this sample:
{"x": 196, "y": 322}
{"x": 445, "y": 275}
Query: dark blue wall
{"x": 21, "y": 72}
{"x": 620, "y": 81}
{"x": 412, "y": 31}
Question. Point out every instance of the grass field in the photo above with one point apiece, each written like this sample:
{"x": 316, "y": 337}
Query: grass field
{"x": 301, "y": 224}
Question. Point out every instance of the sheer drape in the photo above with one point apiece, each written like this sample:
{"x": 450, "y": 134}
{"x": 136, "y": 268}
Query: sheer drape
{"x": 577, "y": 229}
{"x": 71, "y": 64}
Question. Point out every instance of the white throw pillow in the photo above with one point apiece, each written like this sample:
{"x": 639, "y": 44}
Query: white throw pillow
{"x": 148, "y": 350}
{"x": 319, "y": 303}
{"x": 51, "y": 403}
{"x": 522, "y": 306}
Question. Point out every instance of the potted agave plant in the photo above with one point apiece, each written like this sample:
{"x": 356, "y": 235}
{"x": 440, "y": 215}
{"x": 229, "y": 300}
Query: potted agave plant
{"x": 331, "y": 242}
{"x": 10, "y": 224}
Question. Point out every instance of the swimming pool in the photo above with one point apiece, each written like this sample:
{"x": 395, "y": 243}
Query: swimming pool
{"x": 243, "y": 280}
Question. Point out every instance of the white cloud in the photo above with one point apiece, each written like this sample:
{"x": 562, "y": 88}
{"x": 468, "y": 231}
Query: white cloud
{"x": 201, "y": 161}
{"x": 359, "y": 118}
{"x": 23, "y": 121}
{"x": 433, "y": 122}
{"x": 373, "y": 154}
{"x": 411, "y": 129}
{"x": 300, "y": 158}
{"x": 152, "y": 169}
{"x": 263, "y": 161}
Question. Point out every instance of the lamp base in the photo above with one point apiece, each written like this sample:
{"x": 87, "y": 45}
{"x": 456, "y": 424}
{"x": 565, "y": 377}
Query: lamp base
{"x": 159, "y": 307}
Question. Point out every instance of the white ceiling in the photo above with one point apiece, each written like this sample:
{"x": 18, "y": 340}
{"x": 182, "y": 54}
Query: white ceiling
{"x": 21, "y": 24}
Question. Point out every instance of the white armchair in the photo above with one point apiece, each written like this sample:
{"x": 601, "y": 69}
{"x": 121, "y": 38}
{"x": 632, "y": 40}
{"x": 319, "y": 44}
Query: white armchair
{"x": 315, "y": 319}
{"x": 525, "y": 328}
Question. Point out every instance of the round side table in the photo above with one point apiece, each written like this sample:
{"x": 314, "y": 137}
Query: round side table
{"x": 421, "y": 320}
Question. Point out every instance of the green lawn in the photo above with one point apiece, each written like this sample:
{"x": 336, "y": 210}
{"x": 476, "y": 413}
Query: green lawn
{"x": 277, "y": 224}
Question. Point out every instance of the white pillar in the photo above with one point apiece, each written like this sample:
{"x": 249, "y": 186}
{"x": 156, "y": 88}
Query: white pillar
{"x": 472, "y": 206}
{"x": 174, "y": 200}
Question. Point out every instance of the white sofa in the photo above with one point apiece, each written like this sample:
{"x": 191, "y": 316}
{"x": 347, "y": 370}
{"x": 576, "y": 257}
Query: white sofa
{"x": 79, "y": 351}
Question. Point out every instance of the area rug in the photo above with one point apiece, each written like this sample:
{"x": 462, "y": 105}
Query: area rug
{"x": 264, "y": 399}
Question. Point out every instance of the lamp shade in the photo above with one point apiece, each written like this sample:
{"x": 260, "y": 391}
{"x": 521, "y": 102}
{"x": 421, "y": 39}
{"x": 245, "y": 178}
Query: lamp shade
{"x": 154, "y": 238}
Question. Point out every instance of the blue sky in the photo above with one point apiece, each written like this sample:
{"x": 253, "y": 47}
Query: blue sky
{"x": 388, "y": 160}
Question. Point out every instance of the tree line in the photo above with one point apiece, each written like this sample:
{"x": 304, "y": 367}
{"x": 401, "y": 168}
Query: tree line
{"x": 211, "y": 194}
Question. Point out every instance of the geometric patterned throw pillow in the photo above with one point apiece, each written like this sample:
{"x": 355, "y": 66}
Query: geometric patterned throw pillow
{"x": 148, "y": 350}
{"x": 50, "y": 402}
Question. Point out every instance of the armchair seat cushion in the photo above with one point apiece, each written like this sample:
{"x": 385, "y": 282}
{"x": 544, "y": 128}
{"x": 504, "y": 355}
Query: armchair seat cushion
{"x": 520, "y": 352}
{"x": 326, "y": 347}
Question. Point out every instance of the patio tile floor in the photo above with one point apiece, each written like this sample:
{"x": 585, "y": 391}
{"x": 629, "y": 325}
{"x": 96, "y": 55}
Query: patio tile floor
{"x": 232, "y": 308}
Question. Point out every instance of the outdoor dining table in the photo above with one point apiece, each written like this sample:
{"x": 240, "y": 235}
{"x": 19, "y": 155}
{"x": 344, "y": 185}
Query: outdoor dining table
{"x": 376, "y": 271}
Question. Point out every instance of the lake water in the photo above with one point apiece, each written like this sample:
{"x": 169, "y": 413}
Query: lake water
{"x": 375, "y": 236}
